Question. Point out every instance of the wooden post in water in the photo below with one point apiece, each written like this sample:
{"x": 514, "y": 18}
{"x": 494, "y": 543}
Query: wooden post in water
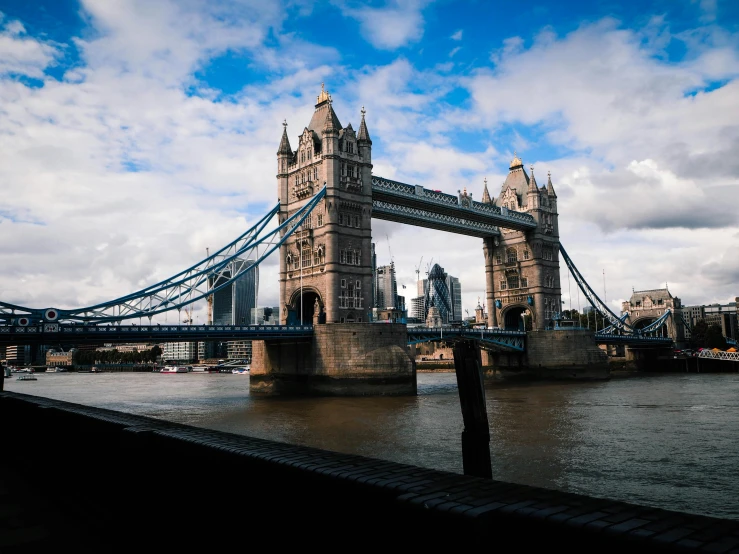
{"x": 476, "y": 434}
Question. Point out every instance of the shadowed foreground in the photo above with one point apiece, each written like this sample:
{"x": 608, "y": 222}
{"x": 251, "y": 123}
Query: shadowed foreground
{"x": 94, "y": 479}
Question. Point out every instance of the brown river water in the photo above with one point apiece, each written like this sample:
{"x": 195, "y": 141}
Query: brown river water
{"x": 667, "y": 440}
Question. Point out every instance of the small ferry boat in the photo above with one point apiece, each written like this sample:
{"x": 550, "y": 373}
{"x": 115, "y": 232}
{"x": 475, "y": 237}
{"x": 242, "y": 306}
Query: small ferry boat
{"x": 174, "y": 369}
{"x": 26, "y": 377}
{"x": 241, "y": 370}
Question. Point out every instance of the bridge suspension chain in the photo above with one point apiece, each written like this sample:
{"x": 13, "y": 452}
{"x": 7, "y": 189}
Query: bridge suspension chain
{"x": 207, "y": 277}
{"x": 615, "y": 321}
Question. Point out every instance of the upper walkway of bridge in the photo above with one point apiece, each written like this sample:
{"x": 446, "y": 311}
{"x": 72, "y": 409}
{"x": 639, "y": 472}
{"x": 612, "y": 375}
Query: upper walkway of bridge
{"x": 416, "y": 205}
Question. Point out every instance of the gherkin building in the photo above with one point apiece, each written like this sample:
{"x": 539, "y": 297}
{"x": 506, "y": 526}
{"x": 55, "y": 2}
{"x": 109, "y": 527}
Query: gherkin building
{"x": 438, "y": 293}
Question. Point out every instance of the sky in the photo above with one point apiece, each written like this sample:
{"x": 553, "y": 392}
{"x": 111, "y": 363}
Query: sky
{"x": 134, "y": 134}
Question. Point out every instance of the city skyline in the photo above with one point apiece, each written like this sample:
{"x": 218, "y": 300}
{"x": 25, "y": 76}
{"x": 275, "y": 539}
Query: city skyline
{"x": 137, "y": 135}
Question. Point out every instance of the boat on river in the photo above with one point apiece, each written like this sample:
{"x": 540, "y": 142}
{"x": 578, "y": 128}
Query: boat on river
{"x": 26, "y": 377}
{"x": 241, "y": 370}
{"x": 174, "y": 369}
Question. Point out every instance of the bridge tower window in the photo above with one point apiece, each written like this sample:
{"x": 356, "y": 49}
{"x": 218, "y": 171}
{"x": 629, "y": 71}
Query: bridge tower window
{"x": 503, "y": 285}
{"x": 511, "y": 255}
{"x": 513, "y": 282}
{"x": 320, "y": 220}
{"x": 524, "y": 282}
{"x": 526, "y": 254}
{"x": 350, "y": 295}
{"x": 498, "y": 259}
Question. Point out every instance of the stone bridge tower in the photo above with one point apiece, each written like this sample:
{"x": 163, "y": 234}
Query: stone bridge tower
{"x": 326, "y": 265}
{"x": 522, "y": 268}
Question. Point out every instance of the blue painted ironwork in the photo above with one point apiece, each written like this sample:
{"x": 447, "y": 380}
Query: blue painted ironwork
{"x": 656, "y": 324}
{"x": 56, "y": 333}
{"x": 498, "y": 338}
{"x": 184, "y": 288}
{"x": 617, "y": 325}
{"x": 730, "y": 341}
{"x": 612, "y": 328}
{"x": 600, "y": 306}
{"x": 390, "y": 211}
{"x": 419, "y": 206}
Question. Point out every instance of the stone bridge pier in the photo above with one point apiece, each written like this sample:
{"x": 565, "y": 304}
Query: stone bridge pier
{"x": 354, "y": 359}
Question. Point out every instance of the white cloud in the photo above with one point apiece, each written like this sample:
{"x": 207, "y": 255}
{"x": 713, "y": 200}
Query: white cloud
{"x": 23, "y": 55}
{"x": 392, "y": 26}
{"x": 457, "y": 35}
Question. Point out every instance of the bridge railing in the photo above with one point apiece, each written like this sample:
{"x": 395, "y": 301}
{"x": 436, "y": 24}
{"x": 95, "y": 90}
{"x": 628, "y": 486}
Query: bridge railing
{"x": 467, "y": 330}
{"x": 441, "y": 198}
{"x": 721, "y": 355}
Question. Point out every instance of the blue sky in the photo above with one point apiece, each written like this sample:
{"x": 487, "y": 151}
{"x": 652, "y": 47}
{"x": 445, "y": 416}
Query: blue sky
{"x": 134, "y": 134}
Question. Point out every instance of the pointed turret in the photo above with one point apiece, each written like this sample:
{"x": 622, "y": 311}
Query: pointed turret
{"x": 485, "y": 194}
{"x": 363, "y": 132}
{"x": 532, "y": 181}
{"x": 285, "y": 142}
{"x": 331, "y": 121}
{"x": 550, "y": 187}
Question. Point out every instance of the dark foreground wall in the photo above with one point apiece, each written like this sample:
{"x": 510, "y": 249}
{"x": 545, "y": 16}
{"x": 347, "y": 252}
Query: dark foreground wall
{"x": 108, "y": 481}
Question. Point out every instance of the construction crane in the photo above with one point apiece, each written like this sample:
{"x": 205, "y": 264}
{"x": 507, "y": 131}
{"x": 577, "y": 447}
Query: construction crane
{"x": 429, "y": 266}
{"x": 418, "y": 269}
{"x": 389, "y": 251}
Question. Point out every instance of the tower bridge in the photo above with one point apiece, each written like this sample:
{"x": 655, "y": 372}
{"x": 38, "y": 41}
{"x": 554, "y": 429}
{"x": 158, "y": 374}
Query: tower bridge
{"x": 323, "y": 237}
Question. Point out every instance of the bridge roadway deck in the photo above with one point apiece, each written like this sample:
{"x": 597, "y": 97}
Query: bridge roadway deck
{"x": 91, "y": 479}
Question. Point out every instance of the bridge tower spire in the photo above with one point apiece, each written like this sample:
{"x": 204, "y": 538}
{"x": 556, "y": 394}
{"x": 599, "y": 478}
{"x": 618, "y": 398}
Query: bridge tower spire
{"x": 327, "y": 264}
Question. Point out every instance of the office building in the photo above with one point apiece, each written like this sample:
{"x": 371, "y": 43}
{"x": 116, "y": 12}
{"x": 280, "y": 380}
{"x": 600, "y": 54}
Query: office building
{"x": 386, "y": 291}
{"x": 445, "y": 290}
{"x": 232, "y": 304}
{"x": 180, "y": 351}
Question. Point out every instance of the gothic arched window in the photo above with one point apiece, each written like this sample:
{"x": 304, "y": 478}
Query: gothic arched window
{"x": 511, "y": 255}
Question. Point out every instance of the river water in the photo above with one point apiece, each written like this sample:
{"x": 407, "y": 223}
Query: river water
{"x": 666, "y": 440}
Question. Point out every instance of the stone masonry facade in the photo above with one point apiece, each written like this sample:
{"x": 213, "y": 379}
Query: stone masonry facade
{"x": 522, "y": 267}
{"x": 327, "y": 263}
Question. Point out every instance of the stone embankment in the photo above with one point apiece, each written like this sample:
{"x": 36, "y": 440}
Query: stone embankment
{"x": 87, "y": 479}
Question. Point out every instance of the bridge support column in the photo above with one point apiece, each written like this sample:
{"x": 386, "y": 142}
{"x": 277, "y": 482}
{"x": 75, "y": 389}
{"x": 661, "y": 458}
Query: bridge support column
{"x": 488, "y": 249}
{"x": 353, "y": 359}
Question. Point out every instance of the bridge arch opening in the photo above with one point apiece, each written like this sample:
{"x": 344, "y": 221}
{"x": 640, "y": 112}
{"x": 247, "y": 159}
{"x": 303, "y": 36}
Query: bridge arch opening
{"x": 517, "y": 318}
{"x": 304, "y": 306}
